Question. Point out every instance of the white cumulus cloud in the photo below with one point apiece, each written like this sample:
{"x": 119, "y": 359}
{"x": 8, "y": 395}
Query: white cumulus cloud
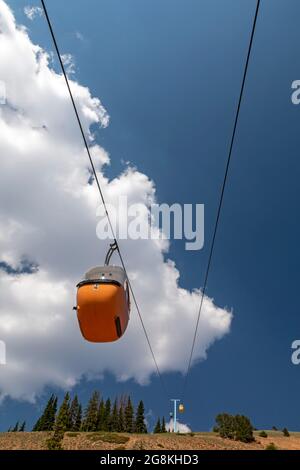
{"x": 180, "y": 427}
{"x": 48, "y": 217}
{"x": 32, "y": 12}
{"x": 69, "y": 63}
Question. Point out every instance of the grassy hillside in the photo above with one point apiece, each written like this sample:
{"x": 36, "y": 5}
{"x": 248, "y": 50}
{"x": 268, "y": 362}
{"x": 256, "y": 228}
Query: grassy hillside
{"x": 109, "y": 441}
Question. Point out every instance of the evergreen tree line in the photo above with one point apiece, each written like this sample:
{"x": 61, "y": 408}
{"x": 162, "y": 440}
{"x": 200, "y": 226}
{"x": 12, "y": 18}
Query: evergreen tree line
{"x": 160, "y": 426}
{"x": 18, "y": 427}
{"x": 99, "y": 415}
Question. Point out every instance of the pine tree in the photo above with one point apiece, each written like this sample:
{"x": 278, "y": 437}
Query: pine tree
{"x": 63, "y": 417}
{"x": 163, "y": 425}
{"x": 122, "y": 406}
{"x": 101, "y": 416}
{"x": 157, "y": 428}
{"x": 16, "y": 427}
{"x": 75, "y": 413}
{"x": 37, "y": 425}
{"x": 128, "y": 416}
{"x": 107, "y": 415}
{"x": 52, "y": 414}
{"x": 121, "y": 422}
{"x": 47, "y": 419}
{"x": 140, "y": 426}
{"x": 114, "y": 421}
{"x": 61, "y": 424}
{"x": 22, "y": 427}
{"x": 90, "y": 422}
{"x": 78, "y": 420}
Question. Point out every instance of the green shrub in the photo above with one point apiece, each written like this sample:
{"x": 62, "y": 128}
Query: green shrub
{"x": 285, "y": 432}
{"x": 243, "y": 429}
{"x": 236, "y": 427}
{"x": 226, "y": 425}
{"x": 72, "y": 434}
{"x": 263, "y": 434}
{"x": 271, "y": 446}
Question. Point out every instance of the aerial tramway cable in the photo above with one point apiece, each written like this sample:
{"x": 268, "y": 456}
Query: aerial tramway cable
{"x": 221, "y": 196}
{"x": 101, "y": 193}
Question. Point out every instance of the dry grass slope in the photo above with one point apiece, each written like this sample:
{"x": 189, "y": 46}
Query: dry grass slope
{"x": 110, "y": 441}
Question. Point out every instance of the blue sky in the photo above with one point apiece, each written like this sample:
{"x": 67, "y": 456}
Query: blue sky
{"x": 169, "y": 74}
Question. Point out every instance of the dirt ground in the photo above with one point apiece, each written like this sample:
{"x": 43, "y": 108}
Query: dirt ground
{"x": 110, "y": 441}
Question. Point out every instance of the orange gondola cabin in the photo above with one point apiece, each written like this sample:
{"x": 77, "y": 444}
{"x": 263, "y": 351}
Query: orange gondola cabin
{"x": 103, "y": 303}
